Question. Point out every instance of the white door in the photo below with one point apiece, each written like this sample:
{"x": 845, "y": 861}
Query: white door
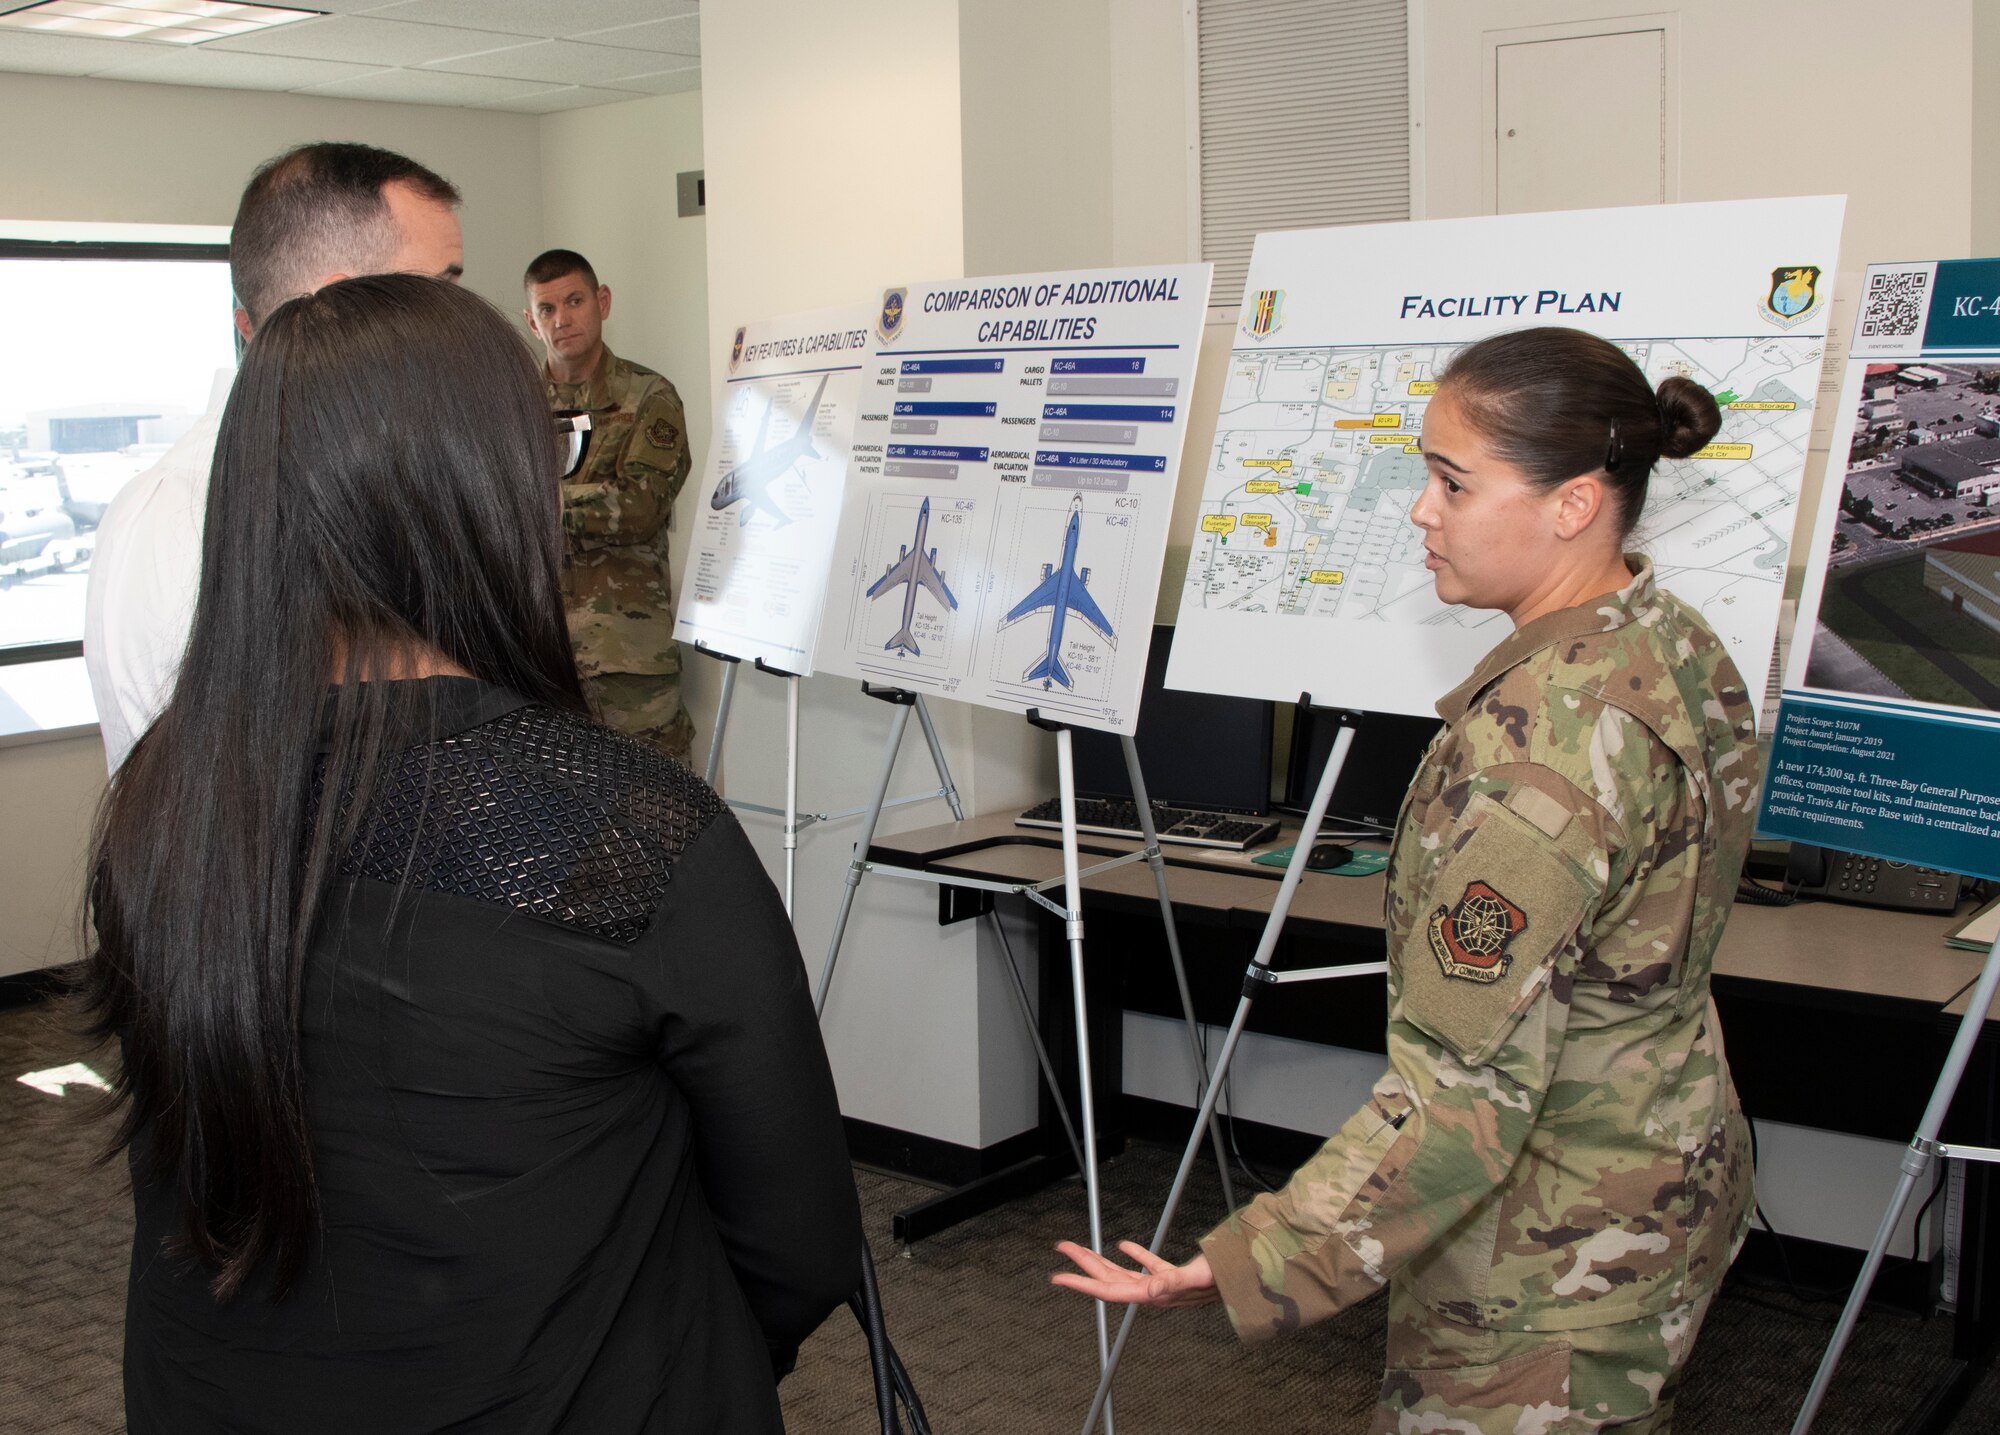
{"x": 1579, "y": 123}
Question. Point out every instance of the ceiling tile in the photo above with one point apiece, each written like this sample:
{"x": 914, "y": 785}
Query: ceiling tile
{"x": 203, "y": 66}
{"x": 576, "y": 97}
{"x": 431, "y": 87}
{"x": 534, "y": 17}
{"x": 364, "y": 40}
{"x": 667, "y": 82}
{"x": 33, "y": 54}
{"x": 561, "y": 62}
{"x": 672, "y": 37}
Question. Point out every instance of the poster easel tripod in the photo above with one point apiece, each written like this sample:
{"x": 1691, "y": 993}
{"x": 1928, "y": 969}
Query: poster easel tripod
{"x": 1070, "y": 911}
{"x": 1924, "y": 1151}
{"x": 795, "y": 821}
{"x": 1256, "y": 978}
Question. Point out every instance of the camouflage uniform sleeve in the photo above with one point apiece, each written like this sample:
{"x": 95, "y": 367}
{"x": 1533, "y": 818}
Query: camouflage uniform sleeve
{"x": 1510, "y": 870}
{"x": 633, "y": 505}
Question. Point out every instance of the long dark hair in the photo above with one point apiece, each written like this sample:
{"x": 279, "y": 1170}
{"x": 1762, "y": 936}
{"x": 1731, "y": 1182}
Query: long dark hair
{"x": 1558, "y": 402}
{"x": 384, "y": 489}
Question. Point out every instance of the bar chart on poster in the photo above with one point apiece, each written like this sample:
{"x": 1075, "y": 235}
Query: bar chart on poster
{"x": 1007, "y": 509}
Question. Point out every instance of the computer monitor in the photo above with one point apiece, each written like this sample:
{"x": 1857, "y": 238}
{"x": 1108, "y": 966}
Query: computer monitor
{"x": 1196, "y": 750}
{"x": 1387, "y": 749}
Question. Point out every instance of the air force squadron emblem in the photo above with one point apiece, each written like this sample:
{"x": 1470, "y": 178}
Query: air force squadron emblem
{"x": 1470, "y": 940}
{"x": 736, "y": 350}
{"x": 1794, "y": 295}
{"x": 1265, "y": 312}
{"x": 890, "y": 325}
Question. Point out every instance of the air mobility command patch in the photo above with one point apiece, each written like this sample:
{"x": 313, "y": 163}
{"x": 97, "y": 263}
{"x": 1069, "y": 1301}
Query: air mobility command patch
{"x": 1470, "y": 939}
{"x": 661, "y": 432}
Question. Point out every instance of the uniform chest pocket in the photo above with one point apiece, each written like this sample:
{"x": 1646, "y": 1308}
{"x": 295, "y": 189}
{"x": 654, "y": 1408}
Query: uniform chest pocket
{"x": 1490, "y": 928}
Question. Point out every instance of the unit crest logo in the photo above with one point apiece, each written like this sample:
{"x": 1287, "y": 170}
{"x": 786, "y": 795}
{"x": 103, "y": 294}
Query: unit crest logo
{"x": 1470, "y": 940}
{"x": 891, "y": 323}
{"x": 1265, "y": 313}
{"x": 736, "y": 350}
{"x": 1794, "y": 295}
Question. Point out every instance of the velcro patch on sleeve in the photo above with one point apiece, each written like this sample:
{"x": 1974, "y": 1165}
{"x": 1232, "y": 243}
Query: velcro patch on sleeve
{"x": 1502, "y": 908}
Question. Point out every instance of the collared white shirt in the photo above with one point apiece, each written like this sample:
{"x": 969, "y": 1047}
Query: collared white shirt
{"x": 139, "y": 605}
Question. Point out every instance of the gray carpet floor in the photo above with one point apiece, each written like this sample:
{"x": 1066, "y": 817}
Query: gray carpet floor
{"x": 991, "y": 1345}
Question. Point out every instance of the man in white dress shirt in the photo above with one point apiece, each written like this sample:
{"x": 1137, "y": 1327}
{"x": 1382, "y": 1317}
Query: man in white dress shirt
{"x": 314, "y": 214}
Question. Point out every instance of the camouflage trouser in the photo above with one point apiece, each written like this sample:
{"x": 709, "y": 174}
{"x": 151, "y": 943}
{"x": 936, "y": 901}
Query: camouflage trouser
{"x": 643, "y": 705}
{"x": 1450, "y": 1379}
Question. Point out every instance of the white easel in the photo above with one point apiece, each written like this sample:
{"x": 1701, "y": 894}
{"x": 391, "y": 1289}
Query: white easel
{"x": 1071, "y": 913}
{"x": 1924, "y": 1149}
{"x": 1256, "y": 977}
{"x": 794, "y": 821}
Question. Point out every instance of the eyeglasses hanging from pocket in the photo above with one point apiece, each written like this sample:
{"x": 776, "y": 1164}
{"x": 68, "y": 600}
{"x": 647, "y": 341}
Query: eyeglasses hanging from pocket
{"x": 572, "y": 441}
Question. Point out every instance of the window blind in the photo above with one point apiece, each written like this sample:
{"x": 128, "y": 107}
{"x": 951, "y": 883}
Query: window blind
{"x": 1305, "y": 121}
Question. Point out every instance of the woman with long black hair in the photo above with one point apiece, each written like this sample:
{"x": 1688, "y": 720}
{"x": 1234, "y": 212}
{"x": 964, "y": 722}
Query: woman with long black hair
{"x": 469, "y": 1077}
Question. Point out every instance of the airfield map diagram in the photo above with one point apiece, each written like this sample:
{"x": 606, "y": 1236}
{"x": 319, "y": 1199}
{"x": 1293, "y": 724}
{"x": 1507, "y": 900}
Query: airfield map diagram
{"x": 1306, "y": 503}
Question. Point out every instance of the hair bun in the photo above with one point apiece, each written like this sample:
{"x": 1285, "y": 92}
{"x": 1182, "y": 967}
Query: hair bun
{"x": 1689, "y": 417}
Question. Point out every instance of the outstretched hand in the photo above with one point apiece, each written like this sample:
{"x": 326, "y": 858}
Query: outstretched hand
{"x": 1157, "y": 1283}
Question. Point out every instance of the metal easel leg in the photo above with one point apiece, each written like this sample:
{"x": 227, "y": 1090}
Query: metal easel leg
{"x": 1924, "y": 1149}
{"x": 1158, "y": 863}
{"x": 1016, "y": 984}
{"x": 950, "y": 793}
{"x": 1258, "y": 974}
{"x": 714, "y": 763}
{"x": 1073, "y": 926}
{"x": 859, "y": 863}
{"x": 792, "y": 789}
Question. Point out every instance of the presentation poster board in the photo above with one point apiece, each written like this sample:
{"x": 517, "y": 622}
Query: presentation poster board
{"x": 770, "y": 492}
{"x": 1306, "y": 574}
{"x": 1888, "y": 737}
{"x": 1006, "y": 515}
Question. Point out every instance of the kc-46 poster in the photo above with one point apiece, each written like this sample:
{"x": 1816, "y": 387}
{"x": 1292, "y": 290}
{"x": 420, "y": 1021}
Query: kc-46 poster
{"x": 1306, "y": 574}
{"x": 1888, "y": 739}
{"x": 1013, "y": 480}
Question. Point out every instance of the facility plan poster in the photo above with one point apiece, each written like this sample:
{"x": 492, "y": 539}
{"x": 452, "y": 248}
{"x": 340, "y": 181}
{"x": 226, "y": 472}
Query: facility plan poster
{"x": 1006, "y": 514}
{"x": 770, "y": 494}
{"x": 1888, "y": 738}
{"x": 1306, "y": 574}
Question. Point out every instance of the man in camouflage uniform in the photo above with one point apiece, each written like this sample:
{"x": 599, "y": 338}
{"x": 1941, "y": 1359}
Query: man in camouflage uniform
{"x": 616, "y": 511}
{"x": 1554, "y": 1174}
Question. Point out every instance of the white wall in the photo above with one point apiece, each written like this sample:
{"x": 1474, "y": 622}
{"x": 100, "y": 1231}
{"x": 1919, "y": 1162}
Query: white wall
{"x": 172, "y": 154}
{"x": 51, "y": 792}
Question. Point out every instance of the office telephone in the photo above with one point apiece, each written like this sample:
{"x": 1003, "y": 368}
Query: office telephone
{"x": 1869, "y": 881}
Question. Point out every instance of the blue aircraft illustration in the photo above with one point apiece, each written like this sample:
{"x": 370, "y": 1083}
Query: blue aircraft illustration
{"x": 1062, "y": 592}
{"x": 913, "y": 568}
{"x": 749, "y": 483}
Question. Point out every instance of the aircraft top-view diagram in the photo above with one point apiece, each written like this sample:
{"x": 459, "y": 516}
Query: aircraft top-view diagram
{"x": 914, "y": 567}
{"x": 749, "y": 483}
{"x": 1062, "y": 591}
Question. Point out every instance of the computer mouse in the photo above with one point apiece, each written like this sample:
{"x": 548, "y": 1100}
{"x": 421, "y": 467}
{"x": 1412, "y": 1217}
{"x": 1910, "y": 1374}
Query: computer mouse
{"x": 1328, "y": 854}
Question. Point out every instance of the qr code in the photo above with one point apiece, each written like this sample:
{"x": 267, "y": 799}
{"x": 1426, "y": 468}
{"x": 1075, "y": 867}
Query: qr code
{"x": 1895, "y": 304}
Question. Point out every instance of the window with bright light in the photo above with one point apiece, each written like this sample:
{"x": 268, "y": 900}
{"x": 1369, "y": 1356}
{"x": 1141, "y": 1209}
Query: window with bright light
{"x": 114, "y": 352}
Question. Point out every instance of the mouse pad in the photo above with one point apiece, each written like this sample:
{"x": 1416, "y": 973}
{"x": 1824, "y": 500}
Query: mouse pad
{"x": 1362, "y": 863}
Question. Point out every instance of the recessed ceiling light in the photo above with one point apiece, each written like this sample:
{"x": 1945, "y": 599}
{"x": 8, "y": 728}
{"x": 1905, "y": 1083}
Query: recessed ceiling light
{"x": 177, "y": 22}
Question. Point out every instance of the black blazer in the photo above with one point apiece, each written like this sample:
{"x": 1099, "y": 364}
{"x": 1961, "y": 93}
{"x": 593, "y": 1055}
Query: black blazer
{"x": 579, "y": 1158}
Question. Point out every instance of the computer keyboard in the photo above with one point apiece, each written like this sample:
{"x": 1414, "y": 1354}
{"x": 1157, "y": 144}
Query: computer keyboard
{"x": 1111, "y": 818}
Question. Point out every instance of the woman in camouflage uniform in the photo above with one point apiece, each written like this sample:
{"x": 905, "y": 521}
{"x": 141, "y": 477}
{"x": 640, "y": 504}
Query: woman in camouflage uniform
{"x": 1554, "y": 1173}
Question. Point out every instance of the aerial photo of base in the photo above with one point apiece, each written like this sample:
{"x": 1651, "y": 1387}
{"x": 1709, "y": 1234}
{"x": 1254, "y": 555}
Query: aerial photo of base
{"x": 1911, "y": 605}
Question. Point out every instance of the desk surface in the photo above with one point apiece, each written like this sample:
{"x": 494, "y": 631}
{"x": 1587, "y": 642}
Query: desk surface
{"x": 1829, "y": 946}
